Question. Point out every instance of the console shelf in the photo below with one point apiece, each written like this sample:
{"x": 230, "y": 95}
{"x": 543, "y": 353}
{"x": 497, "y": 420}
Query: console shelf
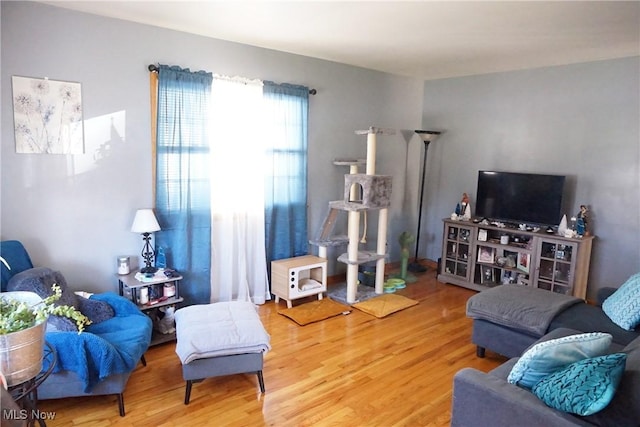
{"x": 478, "y": 256}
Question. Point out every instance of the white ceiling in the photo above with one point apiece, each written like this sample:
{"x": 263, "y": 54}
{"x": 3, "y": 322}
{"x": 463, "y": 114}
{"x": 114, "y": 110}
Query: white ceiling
{"x": 425, "y": 39}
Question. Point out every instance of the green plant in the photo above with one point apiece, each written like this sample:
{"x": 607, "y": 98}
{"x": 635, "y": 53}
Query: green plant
{"x": 18, "y": 315}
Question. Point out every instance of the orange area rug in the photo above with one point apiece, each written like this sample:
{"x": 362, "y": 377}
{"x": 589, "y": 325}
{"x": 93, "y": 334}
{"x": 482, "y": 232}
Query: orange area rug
{"x": 314, "y": 311}
{"x": 384, "y": 305}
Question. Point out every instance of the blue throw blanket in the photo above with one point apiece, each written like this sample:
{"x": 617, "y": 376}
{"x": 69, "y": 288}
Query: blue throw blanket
{"x": 111, "y": 347}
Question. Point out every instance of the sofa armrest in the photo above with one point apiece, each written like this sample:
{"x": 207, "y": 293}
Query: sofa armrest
{"x": 604, "y": 293}
{"x": 485, "y": 400}
{"x": 120, "y": 305}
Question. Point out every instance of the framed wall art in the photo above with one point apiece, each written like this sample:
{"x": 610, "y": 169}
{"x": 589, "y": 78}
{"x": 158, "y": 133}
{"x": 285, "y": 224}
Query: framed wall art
{"x": 47, "y": 116}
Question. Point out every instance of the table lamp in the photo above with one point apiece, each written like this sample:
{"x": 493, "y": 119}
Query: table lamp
{"x": 145, "y": 222}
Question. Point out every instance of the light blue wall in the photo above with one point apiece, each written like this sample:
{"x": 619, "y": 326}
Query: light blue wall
{"x": 74, "y": 212}
{"x": 579, "y": 120}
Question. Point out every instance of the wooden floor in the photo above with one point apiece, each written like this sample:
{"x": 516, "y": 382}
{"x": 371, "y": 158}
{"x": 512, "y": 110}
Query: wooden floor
{"x": 350, "y": 370}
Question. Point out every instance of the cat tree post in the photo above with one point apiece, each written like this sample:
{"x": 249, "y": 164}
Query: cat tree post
{"x": 352, "y": 255}
{"x": 353, "y": 169}
{"x": 353, "y": 231}
{"x": 371, "y": 152}
{"x": 322, "y": 252}
{"x": 381, "y": 249}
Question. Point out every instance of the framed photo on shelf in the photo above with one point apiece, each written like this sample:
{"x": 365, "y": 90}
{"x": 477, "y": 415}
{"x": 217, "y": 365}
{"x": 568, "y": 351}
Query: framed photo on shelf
{"x": 487, "y": 275}
{"x": 523, "y": 262}
{"x": 482, "y": 235}
{"x": 486, "y": 254}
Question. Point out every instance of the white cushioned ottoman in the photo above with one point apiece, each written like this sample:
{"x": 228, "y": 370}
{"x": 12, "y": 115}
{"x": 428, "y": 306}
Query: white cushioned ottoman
{"x": 218, "y": 339}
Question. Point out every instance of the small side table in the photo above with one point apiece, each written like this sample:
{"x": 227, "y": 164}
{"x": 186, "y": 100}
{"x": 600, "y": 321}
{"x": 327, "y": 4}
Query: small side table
{"x": 129, "y": 286}
{"x": 26, "y": 394}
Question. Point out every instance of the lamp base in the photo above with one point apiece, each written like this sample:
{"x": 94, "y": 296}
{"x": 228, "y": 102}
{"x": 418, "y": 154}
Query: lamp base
{"x": 148, "y": 270}
{"x": 416, "y": 267}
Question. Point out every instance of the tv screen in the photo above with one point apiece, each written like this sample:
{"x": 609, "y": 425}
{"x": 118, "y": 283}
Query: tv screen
{"x": 520, "y": 197}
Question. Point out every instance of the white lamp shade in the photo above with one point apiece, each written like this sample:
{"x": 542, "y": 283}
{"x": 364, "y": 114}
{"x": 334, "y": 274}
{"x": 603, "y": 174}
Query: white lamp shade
{"x": 428, "y": 135}
{"x": 145, "y": 222}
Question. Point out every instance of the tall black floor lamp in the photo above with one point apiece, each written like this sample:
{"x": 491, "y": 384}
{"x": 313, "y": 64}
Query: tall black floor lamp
{"x": 427, "y": 136}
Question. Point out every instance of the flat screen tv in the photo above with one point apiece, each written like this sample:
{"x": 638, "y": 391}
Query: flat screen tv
{"x": 520, "y": 197}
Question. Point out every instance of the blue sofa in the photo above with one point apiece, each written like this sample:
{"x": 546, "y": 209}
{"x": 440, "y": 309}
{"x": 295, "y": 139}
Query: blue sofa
{"x": 98, "y": 361}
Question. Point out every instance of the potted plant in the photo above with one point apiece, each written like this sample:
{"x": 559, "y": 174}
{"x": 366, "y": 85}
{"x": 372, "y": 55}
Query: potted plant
{"x": 23, "y": 317}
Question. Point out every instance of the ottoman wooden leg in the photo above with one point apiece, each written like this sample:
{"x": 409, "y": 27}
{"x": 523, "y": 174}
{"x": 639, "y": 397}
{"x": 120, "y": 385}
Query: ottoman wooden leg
{"x": 261, "y": 381}
{"x": 187, "y": 393}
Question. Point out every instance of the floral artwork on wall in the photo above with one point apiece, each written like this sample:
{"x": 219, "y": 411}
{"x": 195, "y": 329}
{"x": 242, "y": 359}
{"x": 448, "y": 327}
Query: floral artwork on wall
{"x": 47, "y": 116}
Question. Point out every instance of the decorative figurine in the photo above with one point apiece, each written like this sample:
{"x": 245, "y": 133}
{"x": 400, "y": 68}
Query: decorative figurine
{"x": 463, "y": 209}
{"x": 582, "y": 220}
{"x": 405, "y": 240}
{"x": 562, "y": 227}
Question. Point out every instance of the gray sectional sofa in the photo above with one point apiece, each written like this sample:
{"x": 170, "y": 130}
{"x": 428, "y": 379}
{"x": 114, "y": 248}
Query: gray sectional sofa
{"x": 487, "y": 399}
{"x": 499, "y": 335}
{"x": 500, "y": 324}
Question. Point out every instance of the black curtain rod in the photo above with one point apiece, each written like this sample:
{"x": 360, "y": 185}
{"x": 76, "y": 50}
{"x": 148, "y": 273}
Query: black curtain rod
{"x": 154, "y": 69}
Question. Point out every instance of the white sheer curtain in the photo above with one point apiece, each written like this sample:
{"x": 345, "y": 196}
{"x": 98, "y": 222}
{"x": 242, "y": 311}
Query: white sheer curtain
{"x": 238, "y": 260}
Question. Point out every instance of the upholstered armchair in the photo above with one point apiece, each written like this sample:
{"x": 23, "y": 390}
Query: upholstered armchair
{"x": 98, "y": 361}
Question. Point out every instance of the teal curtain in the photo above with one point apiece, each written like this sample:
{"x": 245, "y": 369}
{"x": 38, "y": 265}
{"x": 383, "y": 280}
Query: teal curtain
{"x": 182, "y": 177}
{"x": 286, "y": 175}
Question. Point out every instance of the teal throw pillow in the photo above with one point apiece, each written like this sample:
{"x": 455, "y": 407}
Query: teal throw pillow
{"x": 623, "y": 306}
{"x": 584, "y": 387}
{"x": 550, "y": 356}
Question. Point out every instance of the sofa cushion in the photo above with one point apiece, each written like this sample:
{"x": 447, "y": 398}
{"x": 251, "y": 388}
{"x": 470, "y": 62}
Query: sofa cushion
{"x": 550, "y": 356}
{"x": 623, "y": 306}
{"x": 41, "y": 279}
{"x": 589, "y": 318}
{"x": 584, "y": 387}
{"x": 519, "y": 307}
{"x": 624, "y": 410}
{"x": 96, "y": 311}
